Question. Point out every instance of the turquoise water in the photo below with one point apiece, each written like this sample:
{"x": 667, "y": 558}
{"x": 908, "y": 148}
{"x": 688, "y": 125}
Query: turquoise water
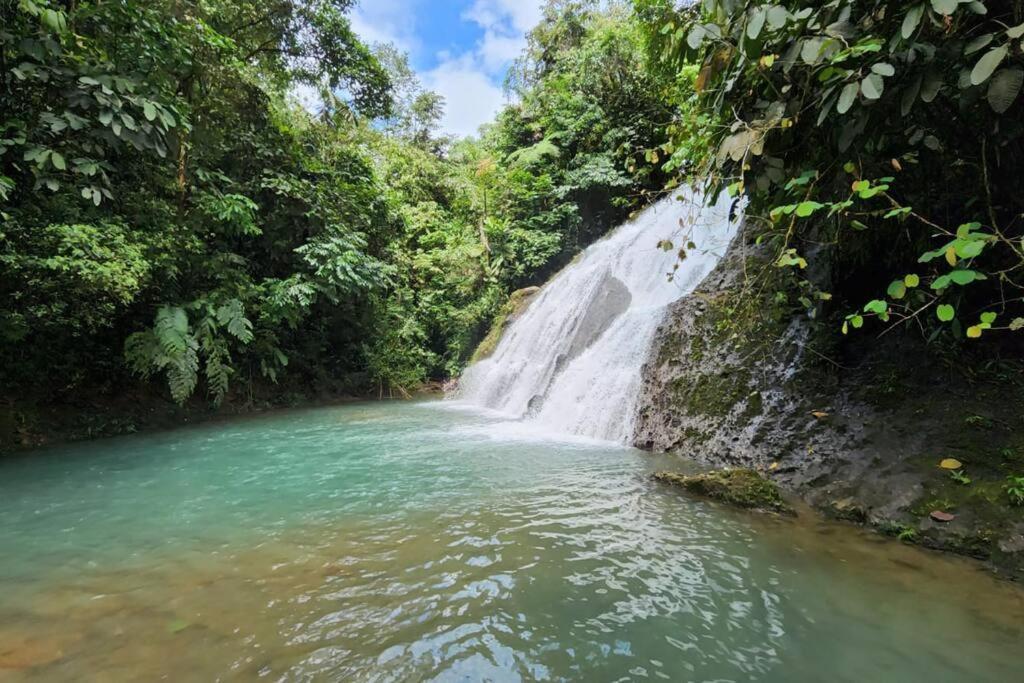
{"x": 417, "y": 542}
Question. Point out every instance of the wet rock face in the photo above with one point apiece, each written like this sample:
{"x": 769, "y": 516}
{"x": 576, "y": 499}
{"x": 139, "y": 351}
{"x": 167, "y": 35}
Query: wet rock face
{"x": 611, "y": 300}
{"x": 717, "y": 392}
{"x": 857, "y": 431}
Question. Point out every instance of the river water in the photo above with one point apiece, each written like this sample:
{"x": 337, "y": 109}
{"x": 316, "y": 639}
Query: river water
{"x": 417, "y": 541}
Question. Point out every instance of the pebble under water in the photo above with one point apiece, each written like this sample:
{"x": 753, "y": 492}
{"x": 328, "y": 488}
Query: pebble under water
{"x": 416, "y": 541}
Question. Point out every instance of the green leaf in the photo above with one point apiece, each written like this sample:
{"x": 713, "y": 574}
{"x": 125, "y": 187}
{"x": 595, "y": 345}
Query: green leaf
{"x": 988, "y": 64}
{"x": 1015, "y": 32}
{"x": 805, "y": 209}
{"x": 847, "y": 97}
{"x": 945, "y": 312}
{"x": 177, "y": 626}
{"x": 897, "y": 289}
{"x": 912, "y": 281}
{"x": 1017, "y": 324}
{"x": 989, "y": 317}
{"x": 931, "y": 85}
{"x": 945, "y": 7}
{"x": 911, "y": 21}
{"x": 1004, "y": 88}
{"x": 910, "y": 94}
{"x": 876, "y": 306}
{"x": 857, "y": 321}
{"x": 810, "y": 50}
{"x": 777, "y": 17}
{"x": 968, "y": 248}
{"x": 872, "y": 86}
{"x": 756, "y": 23}
{"x": 884, "y": 69}
{"x": 966, "y": 277}
{"x": 698, "y": 34}
{"x": 978, "y": 43}
{"x": 149, "y": 111}
{"x": 58, "y": 162}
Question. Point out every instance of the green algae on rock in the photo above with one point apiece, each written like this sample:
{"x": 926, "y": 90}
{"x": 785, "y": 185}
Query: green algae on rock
{"x": 743, "y": 488}
{"x": 513, "y": 308}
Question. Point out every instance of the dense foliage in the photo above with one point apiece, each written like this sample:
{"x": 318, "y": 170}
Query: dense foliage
{"x": 882, "y": 139}
{"x": 170, "y": 211}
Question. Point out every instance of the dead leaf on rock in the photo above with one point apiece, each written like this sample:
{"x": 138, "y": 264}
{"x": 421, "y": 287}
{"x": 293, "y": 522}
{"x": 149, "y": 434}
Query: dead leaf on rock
{"x": 940, "y": 516}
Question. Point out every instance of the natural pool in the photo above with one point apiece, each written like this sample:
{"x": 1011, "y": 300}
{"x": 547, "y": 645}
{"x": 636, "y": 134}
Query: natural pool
{"x": 415, "y": 541}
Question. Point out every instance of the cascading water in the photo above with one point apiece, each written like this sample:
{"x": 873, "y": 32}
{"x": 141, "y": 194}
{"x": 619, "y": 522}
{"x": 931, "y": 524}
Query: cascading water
{"x": 571, "y": 363}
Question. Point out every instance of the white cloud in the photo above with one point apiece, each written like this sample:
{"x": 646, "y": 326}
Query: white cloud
{"x": 513, "y": 16}
{"x": 387, "y": 21}
{"x": 471, "y": 96}
{"x": 470, "y": 82}
{"x": 496, "y": 51}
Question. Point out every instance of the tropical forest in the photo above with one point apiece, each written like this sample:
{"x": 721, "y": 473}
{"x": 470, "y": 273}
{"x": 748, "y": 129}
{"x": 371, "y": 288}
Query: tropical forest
{"x": 511, "y": 340}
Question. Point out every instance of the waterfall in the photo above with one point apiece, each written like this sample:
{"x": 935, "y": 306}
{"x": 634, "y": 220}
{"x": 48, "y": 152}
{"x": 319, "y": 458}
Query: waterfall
{"x": 571, "y": 362}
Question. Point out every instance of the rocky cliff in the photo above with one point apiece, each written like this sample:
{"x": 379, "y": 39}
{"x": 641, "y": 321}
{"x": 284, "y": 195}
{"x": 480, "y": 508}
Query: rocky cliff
{"x": 857, "y": 429}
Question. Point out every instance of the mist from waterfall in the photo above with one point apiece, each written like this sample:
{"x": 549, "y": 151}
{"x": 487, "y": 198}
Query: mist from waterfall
{"x": 571, "y": 363}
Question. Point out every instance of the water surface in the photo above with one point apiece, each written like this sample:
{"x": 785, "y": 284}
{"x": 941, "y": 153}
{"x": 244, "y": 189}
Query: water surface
{"x": 386, "y": 542}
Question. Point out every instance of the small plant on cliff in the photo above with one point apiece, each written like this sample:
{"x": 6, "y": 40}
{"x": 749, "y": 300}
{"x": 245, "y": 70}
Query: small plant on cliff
{"x": 1015, "y": 490}
{"x": 903, "y": 532}
{"x": 960, "y": 477}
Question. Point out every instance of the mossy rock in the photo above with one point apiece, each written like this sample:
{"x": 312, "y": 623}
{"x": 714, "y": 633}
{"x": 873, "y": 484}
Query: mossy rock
{"x": 513, "y": 308}
{"x": 743, "y": 488}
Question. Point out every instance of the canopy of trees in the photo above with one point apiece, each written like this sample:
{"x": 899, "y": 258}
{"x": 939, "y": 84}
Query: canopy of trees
{"x": 217, "y": 196}
{"x": 881, "y": 139}
{"x": 171, "y": 213}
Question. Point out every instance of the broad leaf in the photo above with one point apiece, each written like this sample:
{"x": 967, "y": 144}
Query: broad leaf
{"x": 847, "y": 97}
{"x": 872, "y": 86}
{"x": 756, "y": 23}
{"x": 945, "y": 7}
{"x": 1004, "y": 88}
{"x": 912, "y": 20}
{"x": 987, "y": 65}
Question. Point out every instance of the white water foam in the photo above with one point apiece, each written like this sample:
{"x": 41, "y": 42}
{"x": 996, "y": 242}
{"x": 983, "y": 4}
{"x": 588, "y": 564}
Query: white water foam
{"x": 571, "y": 363}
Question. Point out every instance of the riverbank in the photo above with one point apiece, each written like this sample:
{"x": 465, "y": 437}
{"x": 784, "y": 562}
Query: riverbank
{"x": 886, "y": 433}
{"x": 31, "y": 423}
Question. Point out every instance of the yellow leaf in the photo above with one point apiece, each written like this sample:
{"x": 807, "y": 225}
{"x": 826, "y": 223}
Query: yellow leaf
{"x": 819, "y": 414}
{"x": 951, "y": 464}
{"x": 774, "y": 466}
{"x": 951, "y": 256}
{"x": 974, "y": 332}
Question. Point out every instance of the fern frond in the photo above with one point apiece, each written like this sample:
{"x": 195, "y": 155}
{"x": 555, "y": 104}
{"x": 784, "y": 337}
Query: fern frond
{"x": 232, "y": 316}
{"x": 531, "y": 155}
{"x": 171, "y": 330}
{"x": 183, "y": 372}
{"x": 218, "y": 373}
{"x": 140, "y": 352}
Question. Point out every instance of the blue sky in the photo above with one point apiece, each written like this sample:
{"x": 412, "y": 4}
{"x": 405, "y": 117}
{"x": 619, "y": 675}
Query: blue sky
{"x": 460, "y": 48}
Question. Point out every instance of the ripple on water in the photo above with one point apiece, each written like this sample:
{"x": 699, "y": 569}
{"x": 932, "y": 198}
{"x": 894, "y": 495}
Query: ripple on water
{"x": 396, "y": 543}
